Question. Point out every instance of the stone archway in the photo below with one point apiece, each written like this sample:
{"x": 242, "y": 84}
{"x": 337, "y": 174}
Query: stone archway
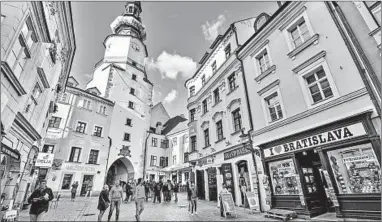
{"x": 121, "y": 169}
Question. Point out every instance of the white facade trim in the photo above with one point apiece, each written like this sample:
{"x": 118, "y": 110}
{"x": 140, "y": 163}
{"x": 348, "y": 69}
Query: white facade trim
{"x": 266, "y": 113}
{"x": 259, "y": 53}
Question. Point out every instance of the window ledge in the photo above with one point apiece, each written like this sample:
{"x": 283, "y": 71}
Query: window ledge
{"x": 322, "y": 101}
{"x": 80, "y": 133}
{"x": 274, "y": 121}
{"x": 267, "y": 72}
{"x": 102, "y": 114}
{"x": 304, "y": 45}
{"x": 204, "y": 114}
{"x": 236, "y": 132}
{"x": 375, "y": 31}
{"x": 62, "y": 102}
{"x": 126, "y": 140}
{"x": 99, "y": 137}
{"x": 206, "y": 147}
{"x": 86, "y": 109}
{"x": 71, "y": 162}
{"x": 217, "y": 103}
{"x": 93, "y": 164}
{"x": 129, "y": 125}
{"x": 233, "y": 90}
{"x": 12, "y": 79}
{"x": 220, "y": 140}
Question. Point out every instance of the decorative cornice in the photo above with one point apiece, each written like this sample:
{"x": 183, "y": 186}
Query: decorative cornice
{"x": 293, "y": 17}
{"x": 43, "y": 78}
{"x": 310, "y": 61}
{"x": 233, "y": 102}
{"x": 304, "y": 45}
{"x": 42, "y": 25}
{"x": 27, "y": 127}
{"x": 270, "y": 70}
{"x": 12, "y": 78}
{"x": 310, "y": 112}
{"x": 205, "y": 123}
{"x": 78, "y": 91}
{"x": 375, "y": 31}
{"x": 268, "y": 87}
{"x": 217, "y": 114}
{"x": 260, "y": 47}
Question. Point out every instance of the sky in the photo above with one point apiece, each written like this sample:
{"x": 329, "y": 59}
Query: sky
{"x": 178, "y": 34}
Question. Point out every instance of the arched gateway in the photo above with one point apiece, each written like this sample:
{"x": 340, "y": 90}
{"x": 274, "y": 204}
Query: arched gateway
{"x": 121, "y": 169}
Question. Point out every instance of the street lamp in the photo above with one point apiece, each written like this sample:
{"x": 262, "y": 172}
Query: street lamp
{"x": 246, "y": 140}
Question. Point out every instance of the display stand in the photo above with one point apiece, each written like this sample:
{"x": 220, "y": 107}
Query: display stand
{"x": 285, "y": 215}
{"x": 252, "y": 202}
{"x": 228, "y": 205}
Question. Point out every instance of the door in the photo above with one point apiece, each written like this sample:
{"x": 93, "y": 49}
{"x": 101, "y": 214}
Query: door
{"x": 228, "y": 178}
{"x": 212, "y": 186}
{"x": 200, "y": 184}
{"x": 85, "y": 181}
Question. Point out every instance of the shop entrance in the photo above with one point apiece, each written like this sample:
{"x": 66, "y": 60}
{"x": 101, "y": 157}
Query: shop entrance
{"x": 313, "y": 182}
{"x": 87, "y": 179}
{"x": 212, "y": 188}
{"x": 243, "y": 182}
{"x": 200, "y": 184}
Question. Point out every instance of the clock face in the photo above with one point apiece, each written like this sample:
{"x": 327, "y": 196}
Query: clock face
{"x": 135, "y": 46}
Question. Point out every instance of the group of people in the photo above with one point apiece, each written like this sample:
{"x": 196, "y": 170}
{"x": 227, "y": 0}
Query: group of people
{"x": 166, "y": 190}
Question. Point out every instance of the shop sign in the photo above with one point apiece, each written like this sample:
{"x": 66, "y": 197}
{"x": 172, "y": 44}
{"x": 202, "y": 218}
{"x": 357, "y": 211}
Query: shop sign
{"x": 44, "y": 160}
{"x": 80, "y": 168}
{"x": 161, "y": 174}
{"x": 340, "y": 134}
{"x": 205, "y": 161}
{"x": 6, "y": 148}
{"x": 355, "y": 158}
{"x": 235, "y": 153}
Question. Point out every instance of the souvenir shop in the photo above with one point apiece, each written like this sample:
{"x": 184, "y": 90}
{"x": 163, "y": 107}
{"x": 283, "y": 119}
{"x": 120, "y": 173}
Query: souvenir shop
{"x": 332, "y": 168}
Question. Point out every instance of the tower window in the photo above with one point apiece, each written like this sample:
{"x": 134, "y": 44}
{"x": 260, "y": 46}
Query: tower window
{"x": 130, "y": 9}
{"x": 134, "y": 77}
{"x": 128, "y": 122}
{"x": 132, "y": 91}
{"x": 131, "y": 105}
{"x": 126, "y": 137}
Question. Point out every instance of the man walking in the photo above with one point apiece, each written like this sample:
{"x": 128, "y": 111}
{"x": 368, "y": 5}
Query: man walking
{"x": 40, "y": 201}
{"x": 176, "y": 190}
{"x": 139, "y": 199}
{"x": 116, "y": 195}
{"x": 147, "y": 190}
{"x": 89, "y": 189}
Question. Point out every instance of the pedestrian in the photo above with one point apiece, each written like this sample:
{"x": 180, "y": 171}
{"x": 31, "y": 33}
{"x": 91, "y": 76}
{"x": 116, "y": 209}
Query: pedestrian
{"x": 147, "y": 190}
{"x": 133, "y": 187}
{"x": 140, "y": 195}
{"x": 188, "y": 190}
{"x": 176, "y": 190}
{"x": 165, "y": 192}
{"x": 74, "y": 191}
{"x": 116, "y": 196}
{"x": 194, "y": 199}
{"x": 223, "y": 190}
{"x": 170, "y": 190}
{"x": 128, "y": 191}
{"x": 40, "y": 201}
{"x": 157, "y": 190}
{"x": 103, "y": 201}
{"x": 89, "y": 189}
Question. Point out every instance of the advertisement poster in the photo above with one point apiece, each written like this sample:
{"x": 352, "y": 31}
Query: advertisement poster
{"x": 252, "y": 200}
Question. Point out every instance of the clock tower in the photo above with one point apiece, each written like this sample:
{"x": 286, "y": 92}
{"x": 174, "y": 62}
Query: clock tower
{"x": 121, "y": 77}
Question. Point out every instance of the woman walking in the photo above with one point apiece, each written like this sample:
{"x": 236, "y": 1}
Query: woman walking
{"x": 194, "y": 199}
{"x": 74, "y": 190}
{"x": 133, "y": 188}
{"x": 103, "y": 201}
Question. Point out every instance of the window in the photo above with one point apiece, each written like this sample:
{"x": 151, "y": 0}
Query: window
{"x": 356, "y": 169}
{"x": 154, "y": 142}
{"x": 193, "y": 143}
{"x": 192, "y": 114}
{"x": 185, "y": 157}
{"x": 134, "y": 77}
{"x": 219, "y": 130}
{"x": 86, "y": 104}
{"x": 174, "y": 159}
{"x": 205, "y": 106}
{"x": 318, "y": 85}
{"x": 102, "y": 109}
{"x": 132, "y": 91}
{"x": 375, "y": 10}
{"x": 299, "y": 32}
{"x": 128, "y": 122}
{"x": 274, "y": 107}
{"x": 232, "y": 82}
{"x": 93, "y": 156}
{"x": 131, "y": 105}
{"x": 174, "y": 141}
{"x": 166, "y": 161}
{"x": 48, "y": 149}
{"x": 153, "y": 160}
{"x": 203, "y": 79}
{"x": 36, "y": 92}
{"x": 164, "y": 143}
{"x": 206, "y": 138}
{"x": 192, "y": 90}
{"x": 216, "y": 95}
{"x": 67, "y": 181}
{"x": 97, "y": 131}
{"x": 126, "y": 137}
{"x": 283, "y": 177}
{"x": 162, "y": 161}
{"x": 236, "y": 120}
{"x": 263, "y": 61}
{"x": 54, "y": 122}
{"x": 64, "y": 97}
{"x": 81, "y": 127}
{"x": 213, "y": 66}
{"x": 75, "y": 154}
{"x": 130, "y": 9}
{"x": 227, "y": 51}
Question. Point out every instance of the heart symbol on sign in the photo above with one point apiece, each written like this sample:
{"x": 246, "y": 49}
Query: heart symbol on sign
{"x": 278, "y": 149}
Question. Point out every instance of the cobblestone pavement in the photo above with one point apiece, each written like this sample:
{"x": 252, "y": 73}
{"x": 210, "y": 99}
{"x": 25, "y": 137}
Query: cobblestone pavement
{"x": 86, "y": 210}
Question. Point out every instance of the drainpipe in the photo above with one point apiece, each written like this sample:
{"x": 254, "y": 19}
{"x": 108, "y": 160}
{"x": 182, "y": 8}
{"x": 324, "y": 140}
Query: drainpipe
{"x": 144, "y": 156}
{"x": 107, "y": 160}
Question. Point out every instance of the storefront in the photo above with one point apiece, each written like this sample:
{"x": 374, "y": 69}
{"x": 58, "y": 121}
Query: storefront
{"x": 333, "y": 168}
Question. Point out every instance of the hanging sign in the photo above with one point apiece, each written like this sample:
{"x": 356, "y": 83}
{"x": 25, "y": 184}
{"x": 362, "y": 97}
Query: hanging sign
{"x": 252, "y": 200}
{"x": 328, "y": 137}
{"x": 44, "y": 160}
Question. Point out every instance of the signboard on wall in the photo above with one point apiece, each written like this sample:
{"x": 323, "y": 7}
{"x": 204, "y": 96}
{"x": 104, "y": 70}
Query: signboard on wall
{"x": 44, "y": 160}
{"x": 328, "y": 137}
{"x": 235, "y": 153}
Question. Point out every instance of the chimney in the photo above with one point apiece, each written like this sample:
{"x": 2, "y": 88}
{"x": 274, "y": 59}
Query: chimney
{"x": 158, "y": 129}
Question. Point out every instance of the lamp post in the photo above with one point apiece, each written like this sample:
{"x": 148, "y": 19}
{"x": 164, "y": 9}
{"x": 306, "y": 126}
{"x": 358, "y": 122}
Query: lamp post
{"x": 246, "y": 140}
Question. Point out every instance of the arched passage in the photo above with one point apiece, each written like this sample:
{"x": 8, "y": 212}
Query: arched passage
{"x": 121, "y": 169}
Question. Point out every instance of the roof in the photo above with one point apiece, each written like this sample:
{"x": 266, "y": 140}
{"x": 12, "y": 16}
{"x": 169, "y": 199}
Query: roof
{"x": 175, "y": 124}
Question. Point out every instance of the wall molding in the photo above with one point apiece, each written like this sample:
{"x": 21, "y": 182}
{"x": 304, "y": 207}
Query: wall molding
{"x": 310, "y": 61}
{"x": 12, "y": 78}
{"x": 293, "y": 17}
{"x": 268, "y": 87}
{"x": 43, "y": 78}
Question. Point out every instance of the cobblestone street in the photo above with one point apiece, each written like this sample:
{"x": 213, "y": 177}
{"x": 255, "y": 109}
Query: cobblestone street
{"x": 86, "y": 210}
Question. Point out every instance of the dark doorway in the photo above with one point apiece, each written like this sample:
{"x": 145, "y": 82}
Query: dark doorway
{"x": 226, "y": 170}
{"x": 212, "y": 186}
{"x": 86, "y": 180}
{"x": 243, "y": 181}
{"x": 200, "y": 184}
{"x": 313, "y": 183}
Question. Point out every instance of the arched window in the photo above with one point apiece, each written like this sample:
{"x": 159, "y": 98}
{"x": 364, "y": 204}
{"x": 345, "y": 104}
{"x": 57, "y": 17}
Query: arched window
{"x": 130, "y": 9}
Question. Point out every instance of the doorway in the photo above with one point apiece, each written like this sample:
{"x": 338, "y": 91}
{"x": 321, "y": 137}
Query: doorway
{"x": 212, "y": 186}
{"x": 243, "y": 182}
{"x": 86, "y": 180}
{"x": 313, "y": 182}
{"x": 200, "y": 184}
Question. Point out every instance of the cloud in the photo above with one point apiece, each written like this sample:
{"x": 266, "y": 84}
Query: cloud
{"x": 171, "y": 96}
{"x": 156, "y": 96}
{"x": 210, "y": 31}
{"x": 172, "y": 65}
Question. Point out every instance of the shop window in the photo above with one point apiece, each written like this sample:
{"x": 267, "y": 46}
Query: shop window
{"x": 154, "y": 142}
{"x": 356, "y": 169}
{"x": 284, "y": 177}
{"x": 67, "y": 181}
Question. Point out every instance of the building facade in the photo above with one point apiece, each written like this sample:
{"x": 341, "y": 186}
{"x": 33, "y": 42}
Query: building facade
{"x": 78, "y": 136}
{"x": 315, "y": 120}
{"x": 37, "y": 49}
{"x": 218, "y": 114}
